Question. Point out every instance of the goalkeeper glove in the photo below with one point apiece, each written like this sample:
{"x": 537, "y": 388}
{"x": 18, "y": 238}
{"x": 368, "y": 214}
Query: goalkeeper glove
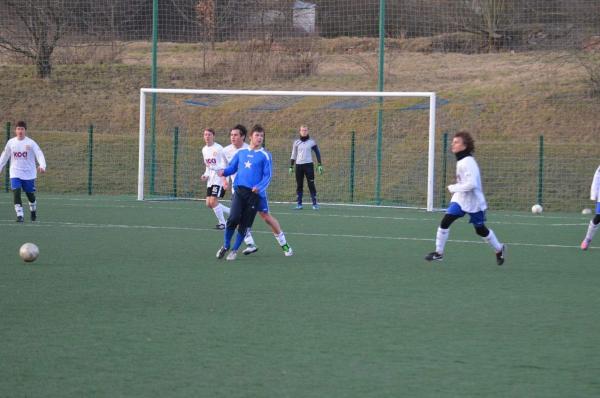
{"x": 291, "y": 171}
{"x": 320, "y": 169}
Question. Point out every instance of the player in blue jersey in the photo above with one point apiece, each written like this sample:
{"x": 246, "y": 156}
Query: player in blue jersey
{"x": 253, "y": 170}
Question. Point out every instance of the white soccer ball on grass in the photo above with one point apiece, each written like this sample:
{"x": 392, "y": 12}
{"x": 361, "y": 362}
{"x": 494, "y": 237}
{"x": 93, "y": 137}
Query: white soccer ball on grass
{"x": 586, "y": 211}
{"x": 537, "y": 209}
{"x": 29, "y": 252}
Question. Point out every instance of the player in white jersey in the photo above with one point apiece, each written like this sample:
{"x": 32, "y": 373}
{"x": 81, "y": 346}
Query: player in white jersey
{"x": 238, "y": 141}
{"x": 22, "y": 152}
{"x": 302, "y": 149}
{"x": 467, "y": 198}
{"x": 213, "y": 156}
{"x": 594, "y": 222}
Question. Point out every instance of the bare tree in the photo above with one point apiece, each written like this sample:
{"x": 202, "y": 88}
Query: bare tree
{"x": 37, "y": 27}
{"x": 490, "y": 19}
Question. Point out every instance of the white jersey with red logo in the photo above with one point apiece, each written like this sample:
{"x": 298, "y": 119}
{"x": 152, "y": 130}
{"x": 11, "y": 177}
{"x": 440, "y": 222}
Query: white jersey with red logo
{"x": 214, "y": 159}
{"x": 22, "y": 155}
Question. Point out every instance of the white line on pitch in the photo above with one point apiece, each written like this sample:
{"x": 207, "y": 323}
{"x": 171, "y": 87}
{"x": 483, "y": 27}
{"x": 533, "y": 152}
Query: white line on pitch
{"x": 159, "y": 227}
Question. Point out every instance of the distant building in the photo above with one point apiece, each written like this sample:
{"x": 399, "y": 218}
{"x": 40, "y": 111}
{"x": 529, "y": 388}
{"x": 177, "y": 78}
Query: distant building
{"x": 305, "y": 16}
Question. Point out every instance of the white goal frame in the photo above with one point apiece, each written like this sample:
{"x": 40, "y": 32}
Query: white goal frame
{"x": 375, "y": 94}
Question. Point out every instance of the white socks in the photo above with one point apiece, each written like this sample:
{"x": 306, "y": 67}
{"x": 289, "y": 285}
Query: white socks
{"x": 224, "y": 208}
{"x": 591, "y": 231}
{"x": 440, "y": 239}
{"x": 493, "y": 241}
{"x": 19, "y": 210}
{"x": 219, "y": 213}
{"x": 33, "y": 206}
{"x": 248, "y": 239}
{"x": 280, "y": 238}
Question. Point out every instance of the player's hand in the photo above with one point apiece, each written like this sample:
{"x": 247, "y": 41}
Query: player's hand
{"x": 220, "y": 172}
{"x": 291, "y": 171}
{"x": 320, "y": 169}
{"x": 225, "y": 185}
{"x": 203, "y": 177}
{"x": 451, "y": 188}
{"x": 41, "y": 169}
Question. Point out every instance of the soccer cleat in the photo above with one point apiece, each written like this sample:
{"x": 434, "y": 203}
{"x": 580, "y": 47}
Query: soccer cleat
{"x": 298, "y": 207}
{"x": 232, "y": 255}
{"x": 287, "y": 250}
{"x": 33, "y": 215}
{"x": 501, "y": 255}
{"x": 250, "y": 249}
{"x": 434, "y": 256}
{"x": 20, "y": 219}
{"x": 221, "y": 252}
{"x": 220, "y": 226}
{"x": 316, "y": 207}
{"x": 585, "y": 244}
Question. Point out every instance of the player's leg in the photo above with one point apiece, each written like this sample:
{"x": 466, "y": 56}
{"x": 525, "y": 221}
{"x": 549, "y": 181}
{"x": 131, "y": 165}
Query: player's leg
{"x": 29, "y": 188}
{"x": 592, "y": 229}
{"x": 237, "y": 205}
{"x": 15, "y": 185}
{"x": 212, "y": 201}
{"x": 248, "y": 214}
{"x": 478, "y": 221}
{"x": 453, "y": 213}
{"x": 309, "y": 171}
{"x": 263, "y": 211}
{"x": 299, "y": 185}
{"x": 250, "y": 243}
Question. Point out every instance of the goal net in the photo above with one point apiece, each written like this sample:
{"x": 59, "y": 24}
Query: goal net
{"x": 377, "y": 148}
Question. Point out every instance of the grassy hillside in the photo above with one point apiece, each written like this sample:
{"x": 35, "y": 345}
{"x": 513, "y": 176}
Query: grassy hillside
{"x": 507, "y": 100}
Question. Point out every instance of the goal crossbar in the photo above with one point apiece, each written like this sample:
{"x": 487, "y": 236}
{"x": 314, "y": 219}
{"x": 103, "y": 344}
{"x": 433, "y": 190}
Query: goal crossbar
{"x": 376, "y": 94}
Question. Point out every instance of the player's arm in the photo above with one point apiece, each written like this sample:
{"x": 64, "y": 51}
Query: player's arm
{"x": 467, "y": 183}
{"x": 221, "y": 164}
{"x": 293, "y": 157}
{"x": 206, "y": 173}
{"x": 266, "y": 175}
{"x": 315, "y": 149}
{"x": 233, "y": 166}
{"x": 39, "y": 155}
{"x": 6, "y": 154}
{"x": 594, "y": 191}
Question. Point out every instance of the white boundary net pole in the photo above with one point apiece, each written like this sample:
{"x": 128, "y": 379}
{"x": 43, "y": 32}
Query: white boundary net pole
{"x": 430, "y": 95}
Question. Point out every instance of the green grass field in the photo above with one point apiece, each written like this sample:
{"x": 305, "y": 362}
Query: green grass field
{"x": 127, "y": 299}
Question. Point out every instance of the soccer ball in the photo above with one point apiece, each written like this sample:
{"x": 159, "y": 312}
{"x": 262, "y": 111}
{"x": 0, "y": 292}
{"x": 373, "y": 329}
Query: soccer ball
{"x": 29, "y": 252}
{"x": 586, "y": 211}
{"x": 537, "y": 209}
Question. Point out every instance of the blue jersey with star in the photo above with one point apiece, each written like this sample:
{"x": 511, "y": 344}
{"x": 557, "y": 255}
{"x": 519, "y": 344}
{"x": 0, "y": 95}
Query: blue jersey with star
{"x": 253, "y": 168}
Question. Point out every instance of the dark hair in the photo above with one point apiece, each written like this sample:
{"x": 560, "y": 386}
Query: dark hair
{"x": 467, "y": 140}
{"x": 258, "y": 128}
{"x": 21, "y": 123}
{"x": 242, "y": 129}
{"x": 211, "y": 130}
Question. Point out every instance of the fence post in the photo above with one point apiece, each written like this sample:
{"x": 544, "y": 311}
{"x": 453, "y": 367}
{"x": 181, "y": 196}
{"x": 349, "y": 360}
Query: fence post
{"x": 352, "y": 150}
{"x": 541, "y": 171}
{"x": 90, "y": 157}
{"x": 175, "y": 151}
{"x": 6, "y": 172}
{"x": 444, "y": 169}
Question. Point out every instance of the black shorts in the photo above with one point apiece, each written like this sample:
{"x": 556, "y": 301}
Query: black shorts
{"x": 216, "y": 191}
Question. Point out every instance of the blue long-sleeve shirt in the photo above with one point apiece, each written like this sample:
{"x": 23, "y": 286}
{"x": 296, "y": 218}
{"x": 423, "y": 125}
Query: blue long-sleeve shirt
{"x": 253, "y": 168}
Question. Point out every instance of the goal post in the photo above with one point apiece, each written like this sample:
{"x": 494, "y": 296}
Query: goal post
{"x": 376, "y": 95}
